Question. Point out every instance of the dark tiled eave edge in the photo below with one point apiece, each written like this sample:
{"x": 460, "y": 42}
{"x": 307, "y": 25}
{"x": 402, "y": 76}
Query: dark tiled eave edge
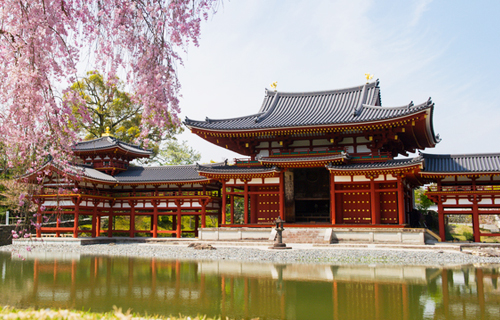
{"x": 387, "y": 165}
{"x": 104, "y": 143}
{"x": 336, "y": 157}
{"x": 236, "y": 170}
{"x": 82, "y": 173}
{"x": 461, "y": 164}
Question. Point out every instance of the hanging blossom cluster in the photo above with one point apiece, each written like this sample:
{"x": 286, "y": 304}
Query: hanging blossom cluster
{"x": 42, "y": 41}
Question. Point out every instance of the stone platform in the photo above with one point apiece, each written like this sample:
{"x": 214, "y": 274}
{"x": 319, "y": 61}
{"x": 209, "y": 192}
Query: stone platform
{"x": 266, "y": 236}
{"x": 321, "y": 235}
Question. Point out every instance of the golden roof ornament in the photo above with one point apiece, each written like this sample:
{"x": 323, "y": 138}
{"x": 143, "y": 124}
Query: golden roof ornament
{"x": 107, "y": 133}
{"x": 368, "y": 77}
{"x": 274, "y": 85}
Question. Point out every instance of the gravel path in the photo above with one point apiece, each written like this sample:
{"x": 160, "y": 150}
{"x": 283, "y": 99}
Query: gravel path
{"x": 339, "y": 256}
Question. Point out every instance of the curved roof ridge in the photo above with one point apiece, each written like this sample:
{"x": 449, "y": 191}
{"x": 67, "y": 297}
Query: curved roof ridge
{"x": 96, "y": 139}
{"x": 428, "y": 103}
{"x": 118, "y": 141}
{"x": 207, "y": 119}
{"x": 435, "y": 155}
{"x": 369, "y": 85}
{"x": 107, "y": 142}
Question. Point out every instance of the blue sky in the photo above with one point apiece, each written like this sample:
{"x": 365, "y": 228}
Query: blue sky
{"x": 447, "y": 50}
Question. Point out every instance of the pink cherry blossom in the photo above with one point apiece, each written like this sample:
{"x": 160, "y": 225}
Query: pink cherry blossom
{"x": 42, "y": 42}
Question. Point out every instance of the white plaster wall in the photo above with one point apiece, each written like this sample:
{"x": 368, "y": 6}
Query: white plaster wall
{"x": 319, "y": 142}
{"x": 263, "y": 145}
{"x": 272, "y": 180}
{"x": 342, "y": 178}
{"x": 347, "y": 141}
{"x": 362, "y": 140}
{"x": 360, "y": 178}
{"x": 361, "y": 148}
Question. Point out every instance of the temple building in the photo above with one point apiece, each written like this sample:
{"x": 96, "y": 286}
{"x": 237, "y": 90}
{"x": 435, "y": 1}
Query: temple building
{"x": 323, "y": 157}
{"x": 103, "y": 184}
{"x": 315, "y": 159}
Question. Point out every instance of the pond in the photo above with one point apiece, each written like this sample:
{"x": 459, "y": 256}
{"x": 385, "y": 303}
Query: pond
{"x": 249, "y": 290}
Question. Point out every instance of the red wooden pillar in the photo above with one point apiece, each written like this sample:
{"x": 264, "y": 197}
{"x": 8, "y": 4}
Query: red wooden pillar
{"x": 203, "y": 204}
{"x": 76, "y": 202}
{"x": 333, "y": 209}
{"x": 110, "y": 223}
{"x": 98, "y": 224}
{"x": 196, "y": 225}
{"x": 475, "y": 219}
{"x": 246, "y": 201}
{"x": 94, "y": 213}
{"x": 401, "y": 201}
{"x": 442, "y": 232}
{"x": 224, "y": 199}
{"x": 178, "y": 232}
{"x": 282, "y": 195}
{"x": 154, "y": 218}
{"x": 58, "y": 224}
{"x": 39, "y": 222}
{"x": 132, "y": 204}
{"x": 174, "y": 222}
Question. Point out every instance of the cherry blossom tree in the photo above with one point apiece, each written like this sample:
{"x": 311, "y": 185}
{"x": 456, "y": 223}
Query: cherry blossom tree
{"x": 43, "y": 41}
{"x": 43, "y": 44}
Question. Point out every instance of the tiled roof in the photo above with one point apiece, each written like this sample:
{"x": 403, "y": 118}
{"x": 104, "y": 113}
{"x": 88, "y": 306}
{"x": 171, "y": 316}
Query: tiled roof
{"x": 377, "y": 165}
{"x": 226, "y": 169}
{"x": 461, "y": 162}
{"x": 332, "y": 157}
{"x": 107, "y": 143}
{"x": 345, "y": 106}
{"x": 159, "y": 174}
{"x": 95, "y": 174}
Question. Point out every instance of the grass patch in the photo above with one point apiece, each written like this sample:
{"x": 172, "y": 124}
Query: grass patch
{"x": 464, "y": 233}
{"x": 53, "y": 314}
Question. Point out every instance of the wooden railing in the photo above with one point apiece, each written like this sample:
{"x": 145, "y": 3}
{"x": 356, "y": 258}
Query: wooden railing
{"x": 305, "y": 153}
{"x": 435, "y": 188}
{"x": 133, "y": 194}
{"x": 109, "y": 164}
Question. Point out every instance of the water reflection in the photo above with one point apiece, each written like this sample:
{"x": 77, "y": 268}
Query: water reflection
{"x": 249, "y": 290}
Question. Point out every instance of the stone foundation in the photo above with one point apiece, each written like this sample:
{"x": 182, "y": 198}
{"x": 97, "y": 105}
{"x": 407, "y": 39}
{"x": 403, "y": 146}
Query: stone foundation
{"x": 323, "y": 235}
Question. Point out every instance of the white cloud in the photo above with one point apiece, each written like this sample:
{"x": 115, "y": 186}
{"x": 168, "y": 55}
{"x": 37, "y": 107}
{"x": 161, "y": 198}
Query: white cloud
{"x": 420, "y": 7}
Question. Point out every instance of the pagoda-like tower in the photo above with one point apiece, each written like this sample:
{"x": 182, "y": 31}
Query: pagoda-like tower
{"x": 322, "y": 157}
{"x": 108, "y": 154}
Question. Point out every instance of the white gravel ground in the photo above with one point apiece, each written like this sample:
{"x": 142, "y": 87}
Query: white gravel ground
{"x": 299, "y": 254}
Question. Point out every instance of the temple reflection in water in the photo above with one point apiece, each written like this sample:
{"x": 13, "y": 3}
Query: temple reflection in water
{"x": 249, "y": 290}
